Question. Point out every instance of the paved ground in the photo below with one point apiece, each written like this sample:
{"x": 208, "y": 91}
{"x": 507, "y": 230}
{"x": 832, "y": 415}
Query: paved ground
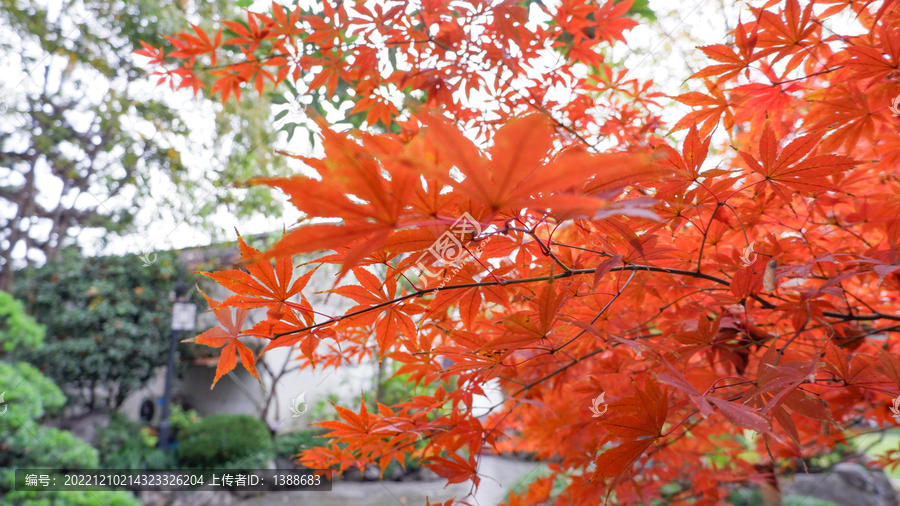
{"x": 499, "y": 475}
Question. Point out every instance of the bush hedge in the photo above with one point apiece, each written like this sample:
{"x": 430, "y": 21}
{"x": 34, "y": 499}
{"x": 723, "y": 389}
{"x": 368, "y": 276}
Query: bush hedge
{"x": 226, "y": 441}
{"x": 30, "y": 397}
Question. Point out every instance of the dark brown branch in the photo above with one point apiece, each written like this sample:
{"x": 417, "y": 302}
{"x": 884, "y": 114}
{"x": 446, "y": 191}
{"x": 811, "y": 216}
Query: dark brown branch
{"x": 649, "y": 268}
{"x": 423, "y": 292}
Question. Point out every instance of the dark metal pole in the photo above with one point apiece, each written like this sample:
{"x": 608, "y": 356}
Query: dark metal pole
{"x": 164, "y": 428}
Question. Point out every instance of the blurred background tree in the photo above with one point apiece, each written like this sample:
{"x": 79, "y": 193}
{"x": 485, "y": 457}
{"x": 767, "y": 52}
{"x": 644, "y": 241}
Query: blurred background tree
{"x": 107, "y": 321}
{"x": 90, "y": 149}
{"x": 30, "y": 397}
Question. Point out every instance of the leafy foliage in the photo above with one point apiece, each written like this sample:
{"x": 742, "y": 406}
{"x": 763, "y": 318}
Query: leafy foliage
{"x": 29, "y": 397}
{"x": 18, "y": 330}
{"x": 28, "y": 447}
{"x": 747, "y": 279}
{"x": 399, "y": 387}
{"x": 226, "y": 441}
{"x": 107, "y": 322}
{"x": 124, "y": 444}
{"x": 78, "y": 118}
{"x": 389, "y": 57}
{"x": 36, "y": 398}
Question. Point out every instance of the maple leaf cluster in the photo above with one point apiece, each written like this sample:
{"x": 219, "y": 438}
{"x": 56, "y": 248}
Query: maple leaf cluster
{"x": 455, "y": 53}
{"x": 705, "y": 290}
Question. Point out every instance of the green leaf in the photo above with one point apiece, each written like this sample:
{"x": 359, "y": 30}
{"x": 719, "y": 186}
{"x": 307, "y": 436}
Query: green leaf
{"x": 641, "y": 8}
{"x": 291, "y": 87}
{"x": 292, "y": 127}
{"x": 356, "y": 119}
{"x": 392, "y": 55}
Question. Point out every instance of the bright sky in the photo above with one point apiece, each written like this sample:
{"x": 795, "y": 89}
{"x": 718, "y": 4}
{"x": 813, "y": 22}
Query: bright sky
{"x": 664, "y": 51}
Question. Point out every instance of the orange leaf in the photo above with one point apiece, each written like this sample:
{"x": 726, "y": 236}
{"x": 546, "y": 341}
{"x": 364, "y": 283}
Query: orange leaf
{"x": 217, "y": 337}
{"x": 262, "y": 285}
{"x": 788, "y": 170}
{"x": 455, "y": 469}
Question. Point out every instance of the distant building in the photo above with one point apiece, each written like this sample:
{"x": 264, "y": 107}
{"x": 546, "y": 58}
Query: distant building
{"x": 239, "y": 392}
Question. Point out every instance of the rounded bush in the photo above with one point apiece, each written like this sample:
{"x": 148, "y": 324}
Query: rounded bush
{"x": 29, "y": 394}
{"x": 224, "y": 440}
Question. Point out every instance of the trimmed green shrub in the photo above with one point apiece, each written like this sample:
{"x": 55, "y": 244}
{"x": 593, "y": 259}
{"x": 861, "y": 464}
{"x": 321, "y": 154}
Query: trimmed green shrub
{"x": 33, "y": 445}
{"x": 29, "y": 394}
{"x": 24, "y": 443}
{"x": 181, "y": 420}
{"x": 124, "y": 444}
{"x": 17, "y": 329}
{"x": 226, "y": 441}
{"x": 107, "y": 321}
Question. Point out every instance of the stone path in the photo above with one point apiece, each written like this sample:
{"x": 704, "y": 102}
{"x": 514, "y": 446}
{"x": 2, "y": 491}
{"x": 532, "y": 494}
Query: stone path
{"x": 499, "y": 474}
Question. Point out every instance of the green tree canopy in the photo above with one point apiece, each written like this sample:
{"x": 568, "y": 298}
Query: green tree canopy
{"x": 107, "y": 321}
{"x": 17, "y": 329}
{"x": 29, "y": 397}
{"x": 86, "y": 143}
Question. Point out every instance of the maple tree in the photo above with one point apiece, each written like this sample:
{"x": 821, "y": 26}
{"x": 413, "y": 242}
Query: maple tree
{"x": 746, "y": 280}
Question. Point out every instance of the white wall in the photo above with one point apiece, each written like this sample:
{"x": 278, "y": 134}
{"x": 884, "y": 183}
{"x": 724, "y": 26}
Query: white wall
{"x": 239, "y": 392}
